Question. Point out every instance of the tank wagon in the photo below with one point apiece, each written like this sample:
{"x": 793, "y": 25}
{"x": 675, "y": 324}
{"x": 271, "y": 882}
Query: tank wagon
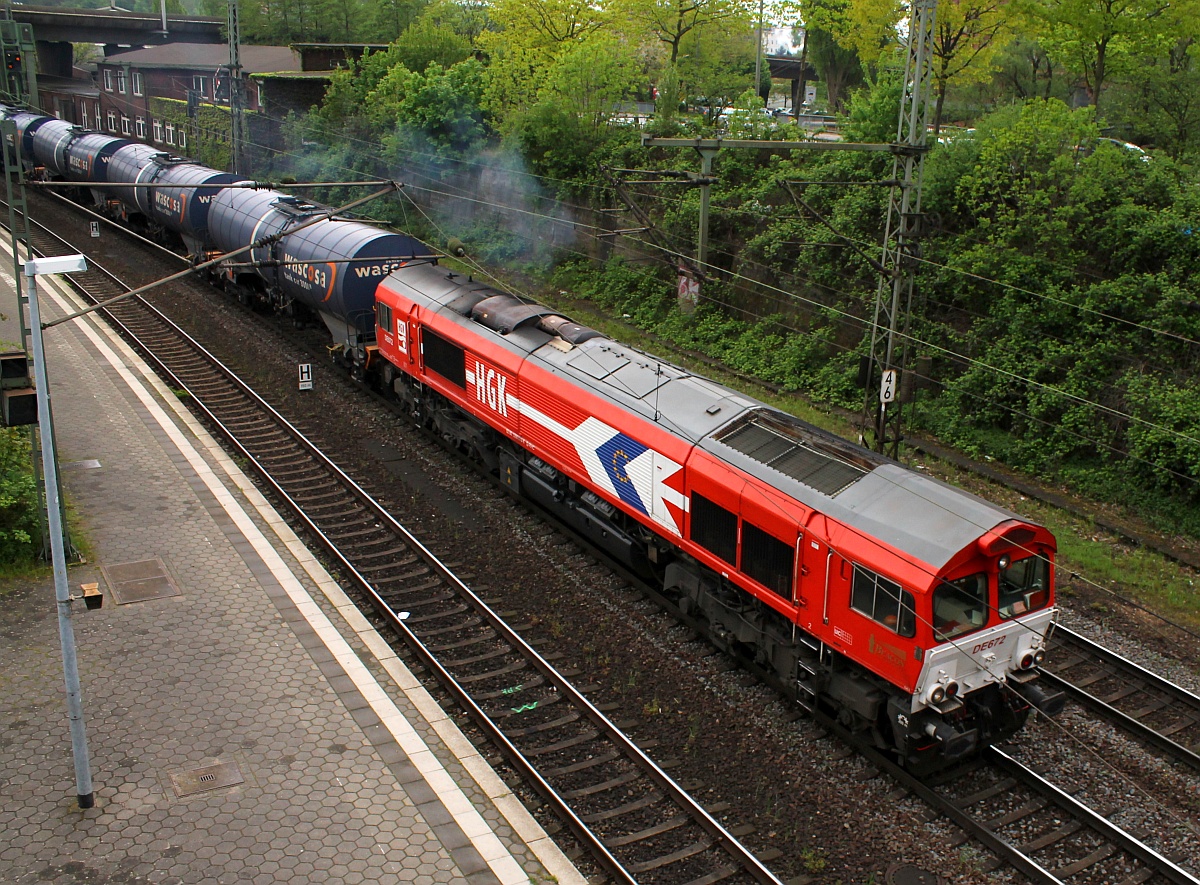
{"x": 913, "y": 612}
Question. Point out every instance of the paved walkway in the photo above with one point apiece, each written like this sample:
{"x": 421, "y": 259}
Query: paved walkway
{"x": 245, "y": 722}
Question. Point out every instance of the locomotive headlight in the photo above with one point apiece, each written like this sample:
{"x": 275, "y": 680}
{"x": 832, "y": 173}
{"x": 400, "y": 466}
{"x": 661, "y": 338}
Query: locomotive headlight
{"x": 1039, "y": 657}
{"x": 1026, "y": 660}
{"x": 1004, "y": 561}
{"x": 937, "y": 695}
{"x": 951, "y": 689}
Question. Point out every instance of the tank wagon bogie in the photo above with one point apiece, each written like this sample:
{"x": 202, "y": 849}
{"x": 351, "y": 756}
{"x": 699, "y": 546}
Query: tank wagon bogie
{"x": 914, "y": 613}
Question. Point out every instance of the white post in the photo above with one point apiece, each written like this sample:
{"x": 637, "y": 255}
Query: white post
{"x": 66, "y": 633}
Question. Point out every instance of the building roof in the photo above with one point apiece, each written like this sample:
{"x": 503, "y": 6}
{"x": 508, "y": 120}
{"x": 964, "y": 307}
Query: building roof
{"x": 294, "y": 75}
{"x": 255, "y": 59}
{"x": 379, "y": 46}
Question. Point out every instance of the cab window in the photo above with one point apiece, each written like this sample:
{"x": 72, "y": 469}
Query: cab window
{"x": 883, "y": 601}
{"x": 383, "y": 316}
{"x": 1024, "y": 586}
{"x": 960, "y": 606}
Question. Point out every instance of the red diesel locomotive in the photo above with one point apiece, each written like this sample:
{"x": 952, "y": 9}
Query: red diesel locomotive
{"x": 914, "y": 612}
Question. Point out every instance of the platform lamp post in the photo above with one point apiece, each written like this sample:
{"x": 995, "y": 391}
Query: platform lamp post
{"x": 34, "y": 268}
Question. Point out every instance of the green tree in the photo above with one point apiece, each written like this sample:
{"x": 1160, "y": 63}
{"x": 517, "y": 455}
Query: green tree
{"x": 566, "y": 130}
{"x": 1099, "y": 40}
{"x": 390, "y": 17}
{"x": 838, "y": 68}
{"x": 718, "y": 65}
{"x": 967, "y": 36}
{"x": 837, "y": 63}
{"x": 545, "y": 24}
{"x": 438, "y": 111}
{"x": 1024, "y": 69}
{"x": 672, "y": 21}
{"x": 430, "y": 41}
{"x": 1164, "y": 103}
{"x": 511, "y": 83}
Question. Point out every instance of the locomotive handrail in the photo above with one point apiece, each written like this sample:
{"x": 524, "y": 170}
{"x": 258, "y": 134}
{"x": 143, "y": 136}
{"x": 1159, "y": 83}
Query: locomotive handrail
{"x": 257, "y": 244}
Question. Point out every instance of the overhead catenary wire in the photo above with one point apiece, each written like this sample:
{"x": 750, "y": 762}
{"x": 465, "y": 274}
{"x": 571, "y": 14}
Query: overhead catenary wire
{"x": 955, "y": 355}
{"x": 816, "y": 305}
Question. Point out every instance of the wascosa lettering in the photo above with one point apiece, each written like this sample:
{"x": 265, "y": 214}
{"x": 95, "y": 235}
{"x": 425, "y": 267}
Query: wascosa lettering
{"x": 168, "y": 204}
{"x": 312, "y": 276}
{"x": 80, "y": 164}
{"x": 377, "y": 270}
{"x": 491, "y": 388}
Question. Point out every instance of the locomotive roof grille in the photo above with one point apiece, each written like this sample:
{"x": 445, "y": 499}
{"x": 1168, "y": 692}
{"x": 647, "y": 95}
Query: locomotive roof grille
{"x": 799, "y": 459}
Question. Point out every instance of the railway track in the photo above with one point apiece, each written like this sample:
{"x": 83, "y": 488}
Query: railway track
{"x": 635, "y": 821}
{"x": 1151, "y": 709}
{"x": 536, "y": 711}
{"x": 1035, "y": 828}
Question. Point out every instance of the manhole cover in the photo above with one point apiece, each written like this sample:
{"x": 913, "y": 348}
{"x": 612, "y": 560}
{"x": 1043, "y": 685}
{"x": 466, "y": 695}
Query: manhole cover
{"x": 139, "y": 581}
{"x": 210, "y": 777}
{"x": 907, "y": 874}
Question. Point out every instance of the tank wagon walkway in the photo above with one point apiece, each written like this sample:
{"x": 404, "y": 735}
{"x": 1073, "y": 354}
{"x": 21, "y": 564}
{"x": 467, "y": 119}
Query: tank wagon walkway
{"x": 246, "y": 723}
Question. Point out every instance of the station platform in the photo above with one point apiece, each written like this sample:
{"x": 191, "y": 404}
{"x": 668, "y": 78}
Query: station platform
{"x": 245, "y": 722}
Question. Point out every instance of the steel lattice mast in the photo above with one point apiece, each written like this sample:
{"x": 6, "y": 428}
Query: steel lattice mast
{"x": 237, "y": 99}
{"x": 882, "y": 410}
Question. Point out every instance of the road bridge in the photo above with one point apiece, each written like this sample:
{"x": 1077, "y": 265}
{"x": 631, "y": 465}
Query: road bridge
{"x": 56, "y": 28}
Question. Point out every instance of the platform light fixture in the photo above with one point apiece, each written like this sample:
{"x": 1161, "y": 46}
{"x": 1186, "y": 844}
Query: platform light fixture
{"x": 33, "y": 268}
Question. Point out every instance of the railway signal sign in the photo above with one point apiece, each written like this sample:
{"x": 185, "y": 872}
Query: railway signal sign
{"x": 306, "y": 380}
{"x": 887, "y": 386}
{"x": 94, "y": 228}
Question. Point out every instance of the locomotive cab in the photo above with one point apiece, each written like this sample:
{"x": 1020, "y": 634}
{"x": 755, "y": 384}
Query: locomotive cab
{"x": 988, "y": 620}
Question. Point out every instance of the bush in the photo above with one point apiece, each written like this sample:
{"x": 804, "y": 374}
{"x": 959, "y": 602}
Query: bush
{"x": 20, "y": 522}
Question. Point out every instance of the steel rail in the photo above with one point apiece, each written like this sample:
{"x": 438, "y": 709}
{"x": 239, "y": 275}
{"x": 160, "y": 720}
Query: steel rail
{"x": 1115, "y": 834}
{"x": 1121, "y": 665}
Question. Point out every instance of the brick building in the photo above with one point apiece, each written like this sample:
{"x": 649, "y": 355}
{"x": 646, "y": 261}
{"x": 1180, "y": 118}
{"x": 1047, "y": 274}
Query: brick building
{"x": 176, "y": 96}
{"x": 143, "y": 91}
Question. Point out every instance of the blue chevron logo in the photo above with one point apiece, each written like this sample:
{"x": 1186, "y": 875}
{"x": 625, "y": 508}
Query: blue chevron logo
{"x": 615, "y": 456}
